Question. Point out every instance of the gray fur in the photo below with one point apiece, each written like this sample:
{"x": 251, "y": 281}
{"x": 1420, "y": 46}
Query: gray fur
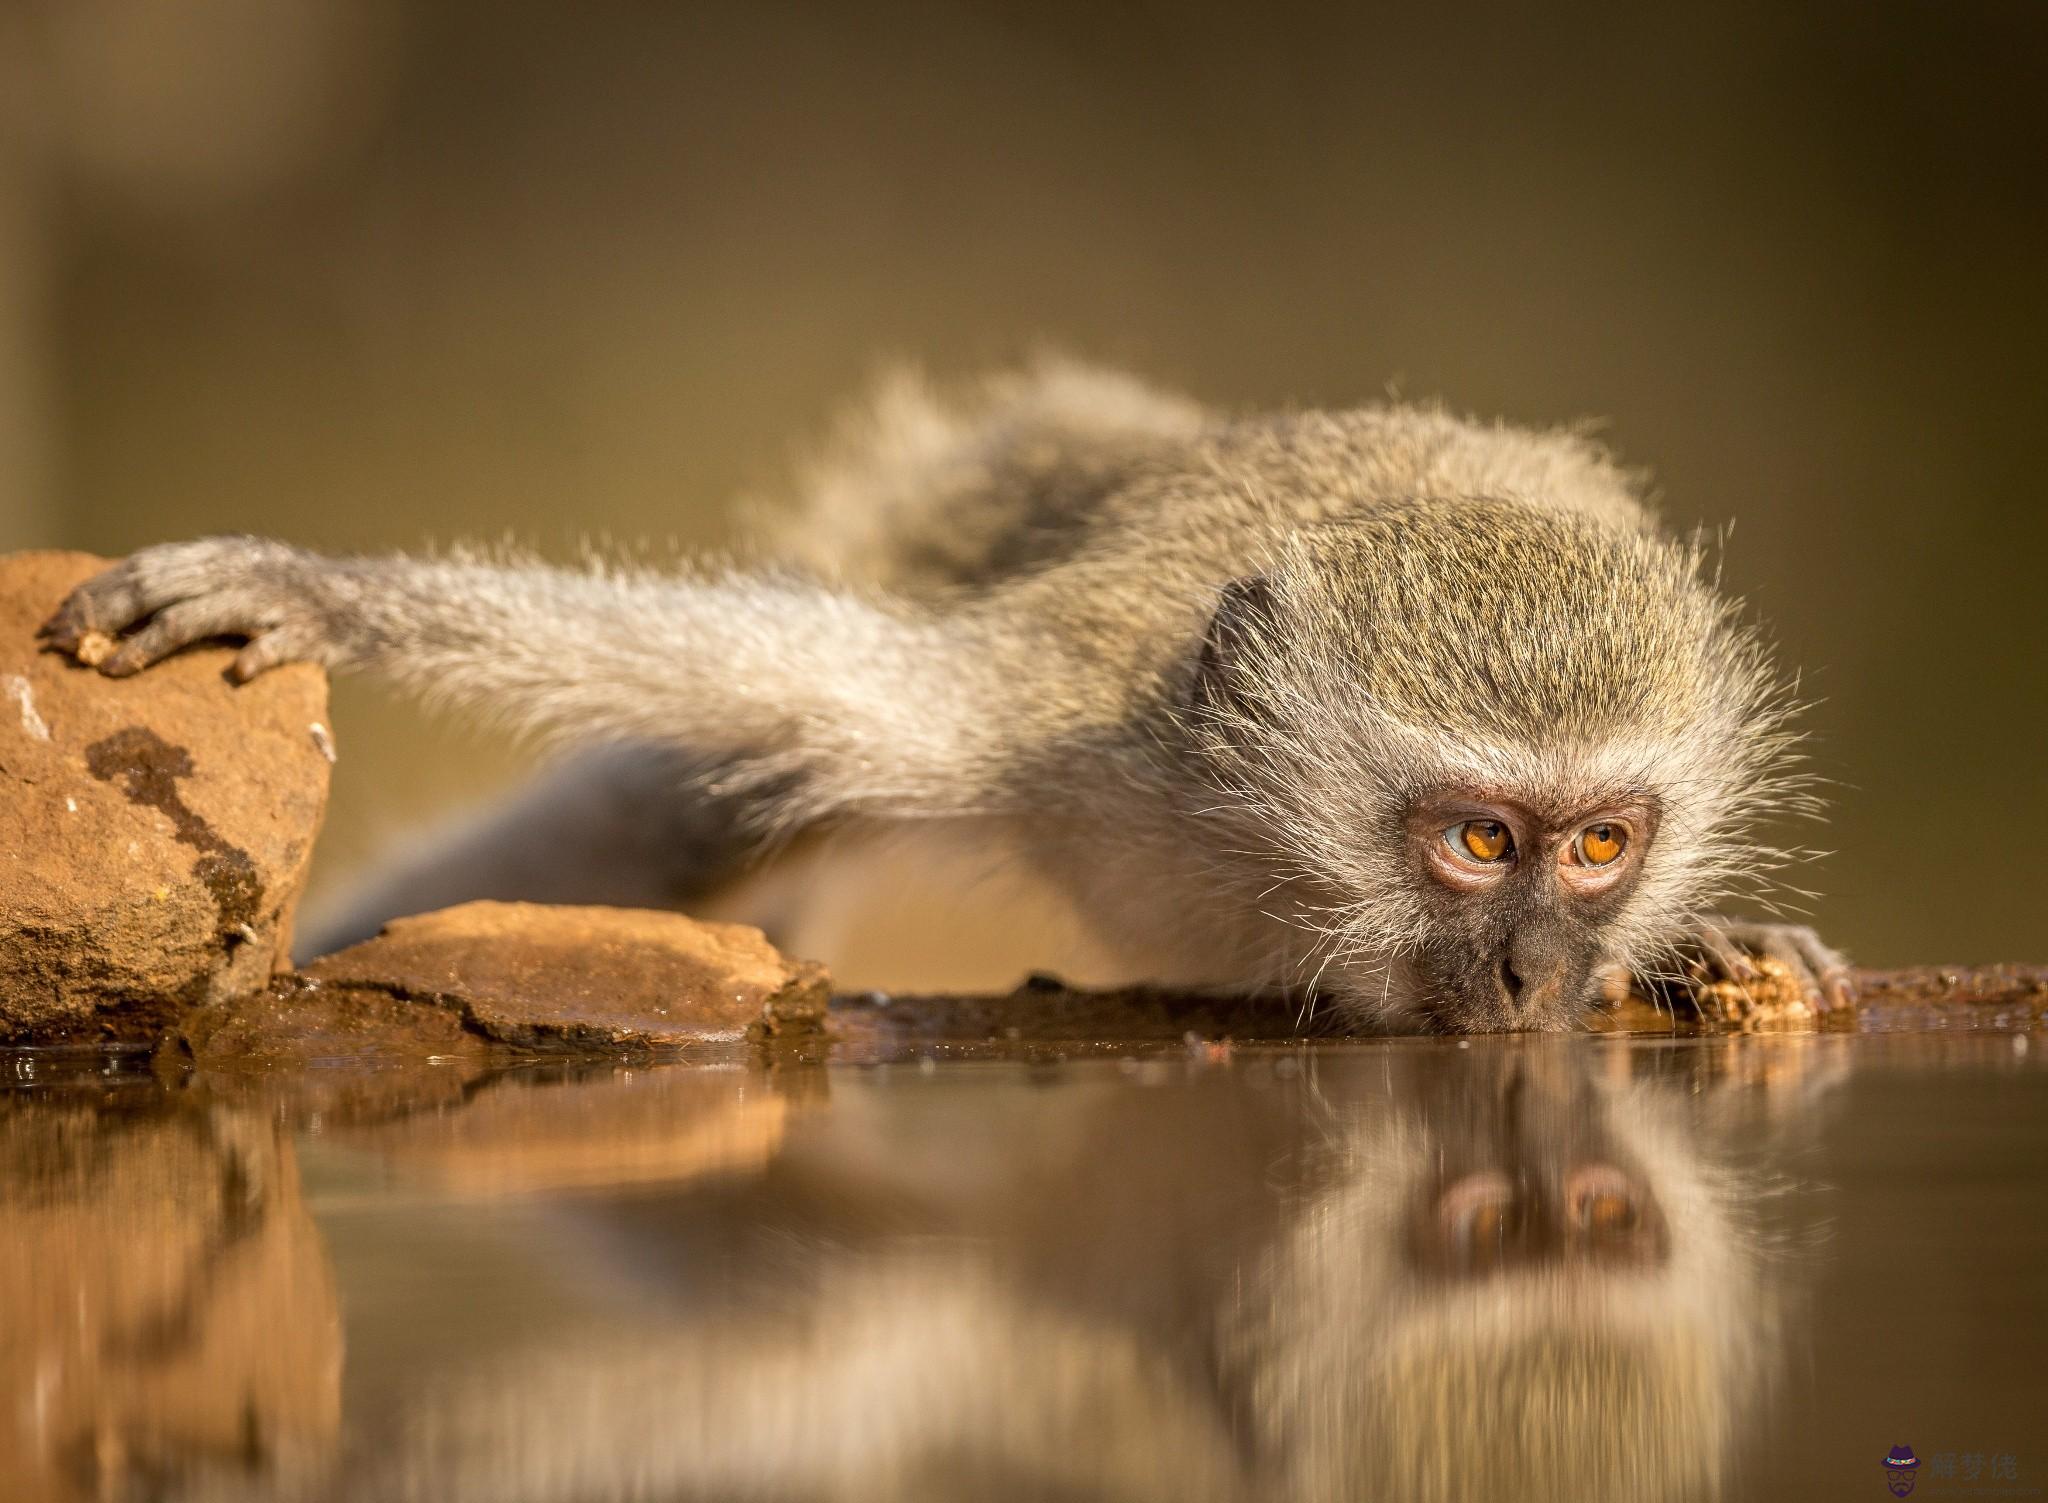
{"x": 1006, "y": 604}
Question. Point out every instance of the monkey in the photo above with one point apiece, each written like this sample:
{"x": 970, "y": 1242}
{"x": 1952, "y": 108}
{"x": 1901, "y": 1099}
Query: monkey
{"x": 1419, "y": 722}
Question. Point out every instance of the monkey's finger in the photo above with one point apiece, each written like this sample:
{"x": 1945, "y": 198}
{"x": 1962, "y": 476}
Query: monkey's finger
{"x": 273, "y": 649}
{"x": 1725, "y": 955}
{"x": 1837, "y": 990}
{"x": 1826, "y": 969}
{"x": 1821, "y": 973}
{"x": 171, "y": 628}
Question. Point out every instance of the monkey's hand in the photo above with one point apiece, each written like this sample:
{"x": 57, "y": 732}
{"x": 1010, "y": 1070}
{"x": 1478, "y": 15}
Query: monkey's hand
{"x": 1739, "y": 969}
{"x": 285, "y": 604}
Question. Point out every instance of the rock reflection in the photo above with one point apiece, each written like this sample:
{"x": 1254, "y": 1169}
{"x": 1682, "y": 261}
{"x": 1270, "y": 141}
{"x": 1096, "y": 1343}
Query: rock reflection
{"x": 165, "y": 1301}
{"x": 590, "y": 1131}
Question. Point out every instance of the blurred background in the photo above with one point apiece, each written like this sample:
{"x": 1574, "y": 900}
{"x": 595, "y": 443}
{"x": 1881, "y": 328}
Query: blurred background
{"x": 364, "y": 273}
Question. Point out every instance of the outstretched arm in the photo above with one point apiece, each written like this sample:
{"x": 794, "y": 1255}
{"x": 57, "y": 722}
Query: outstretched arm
{"x": 865, "y": 703}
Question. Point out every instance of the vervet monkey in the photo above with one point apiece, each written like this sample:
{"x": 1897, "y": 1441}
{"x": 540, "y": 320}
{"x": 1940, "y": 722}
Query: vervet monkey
{"x": 1413, "y": 717}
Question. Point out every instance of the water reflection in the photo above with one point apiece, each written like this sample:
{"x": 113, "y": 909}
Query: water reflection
{"x": 1518, "y": 1284}
{"x": 1525, "y": 1269}
{"x": 165, "y": 1300}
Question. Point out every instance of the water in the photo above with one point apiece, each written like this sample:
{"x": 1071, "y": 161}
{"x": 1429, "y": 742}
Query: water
{"x": 1586, "y": 1268}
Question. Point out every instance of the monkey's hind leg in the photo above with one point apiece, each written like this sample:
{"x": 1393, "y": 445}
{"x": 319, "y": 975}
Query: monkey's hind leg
{"x": 629, "y": 825}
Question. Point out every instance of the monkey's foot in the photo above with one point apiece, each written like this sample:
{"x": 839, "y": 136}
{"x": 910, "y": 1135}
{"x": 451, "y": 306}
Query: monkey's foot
{"x": 1742, "y": 971}
{"x": 278, "y": 600}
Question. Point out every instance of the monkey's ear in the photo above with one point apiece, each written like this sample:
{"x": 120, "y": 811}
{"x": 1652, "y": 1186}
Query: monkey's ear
{"x": 1244, "y": 614}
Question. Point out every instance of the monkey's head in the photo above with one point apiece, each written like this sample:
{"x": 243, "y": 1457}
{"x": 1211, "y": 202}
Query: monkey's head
{"x": 1486, "y": 753}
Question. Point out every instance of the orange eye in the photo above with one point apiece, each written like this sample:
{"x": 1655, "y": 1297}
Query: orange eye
{"x": 1600, "y": 844}
{"x": 1602, "y": 1204}
{"x": 1607, "y": 1214}
{"x": 1480, "y": 839}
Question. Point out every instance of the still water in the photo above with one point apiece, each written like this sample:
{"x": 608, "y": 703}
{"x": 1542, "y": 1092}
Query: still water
{"x": 1585, "y": 1268}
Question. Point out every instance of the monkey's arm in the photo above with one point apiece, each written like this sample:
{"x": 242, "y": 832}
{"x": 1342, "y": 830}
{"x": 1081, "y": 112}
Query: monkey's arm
{"x": 865, "y": 703}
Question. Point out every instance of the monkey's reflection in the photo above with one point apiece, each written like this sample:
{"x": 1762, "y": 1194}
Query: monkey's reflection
{"x": 1524, "y": 1287}
{"x": 1415, "y": 1275}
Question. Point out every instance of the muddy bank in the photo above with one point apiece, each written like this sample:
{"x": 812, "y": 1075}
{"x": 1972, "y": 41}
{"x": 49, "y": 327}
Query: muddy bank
{"x": 1044, "y": 1010}
{"x": 371, "y": 1019}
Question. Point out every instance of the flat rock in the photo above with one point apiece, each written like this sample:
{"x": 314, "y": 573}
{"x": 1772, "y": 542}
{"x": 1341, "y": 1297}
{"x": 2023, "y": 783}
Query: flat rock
{"x": 296, "y": 1023}
{"x": 154, "y": 831}
{"x": 535, "y": 975}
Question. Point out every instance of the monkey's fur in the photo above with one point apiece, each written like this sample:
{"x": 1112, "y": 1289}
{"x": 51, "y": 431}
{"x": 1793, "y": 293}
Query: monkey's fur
{"x": 1229, "y": 680}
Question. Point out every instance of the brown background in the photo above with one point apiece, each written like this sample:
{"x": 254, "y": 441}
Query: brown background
{"x": 363, "y": 274}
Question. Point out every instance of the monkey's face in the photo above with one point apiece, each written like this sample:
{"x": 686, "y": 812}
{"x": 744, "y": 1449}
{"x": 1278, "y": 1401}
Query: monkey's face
{"x": 1519, "y": 903}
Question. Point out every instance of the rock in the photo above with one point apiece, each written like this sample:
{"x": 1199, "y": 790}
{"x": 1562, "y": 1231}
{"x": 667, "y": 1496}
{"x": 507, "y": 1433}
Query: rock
{"x": 532, "y": 974}
{"x": 297, "y": 1023}
{"x": 154, "y": 831}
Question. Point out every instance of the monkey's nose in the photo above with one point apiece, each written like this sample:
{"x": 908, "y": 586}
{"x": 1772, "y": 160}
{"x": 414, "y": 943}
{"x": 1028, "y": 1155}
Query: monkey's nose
{"x": 1526, "y": 993}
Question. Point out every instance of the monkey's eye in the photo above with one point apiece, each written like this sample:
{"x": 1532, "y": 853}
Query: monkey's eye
{"x": 1605, "y": 1213}
{"x": 1478, "y": 1218}
{"x": 1602, "y": 843}
{"x": 1480, "y": 840}
{"x": 1602, "y": 1204}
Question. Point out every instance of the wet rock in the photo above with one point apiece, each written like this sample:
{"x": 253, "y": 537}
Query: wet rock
{"x": 154, "y": 831}
{"x": 297, "y": 1023}
{"x": 535, "y": 975}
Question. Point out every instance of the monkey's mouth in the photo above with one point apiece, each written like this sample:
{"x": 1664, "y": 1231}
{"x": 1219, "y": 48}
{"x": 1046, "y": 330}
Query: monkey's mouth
{"x": 1480, "y": 999}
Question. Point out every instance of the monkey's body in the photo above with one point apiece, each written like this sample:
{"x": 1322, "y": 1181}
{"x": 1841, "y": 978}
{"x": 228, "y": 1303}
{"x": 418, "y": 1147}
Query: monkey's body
{"x": 1199, "y": 673}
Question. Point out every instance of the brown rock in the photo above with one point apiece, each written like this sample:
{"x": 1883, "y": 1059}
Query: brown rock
{"x": 154, "y": 831}
{"x": 533, "y": 974}
{"x": 297, "y": 1023}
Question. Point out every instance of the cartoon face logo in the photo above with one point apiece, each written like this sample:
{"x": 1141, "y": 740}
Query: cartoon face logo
{"x": 1899, "y": 1468}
